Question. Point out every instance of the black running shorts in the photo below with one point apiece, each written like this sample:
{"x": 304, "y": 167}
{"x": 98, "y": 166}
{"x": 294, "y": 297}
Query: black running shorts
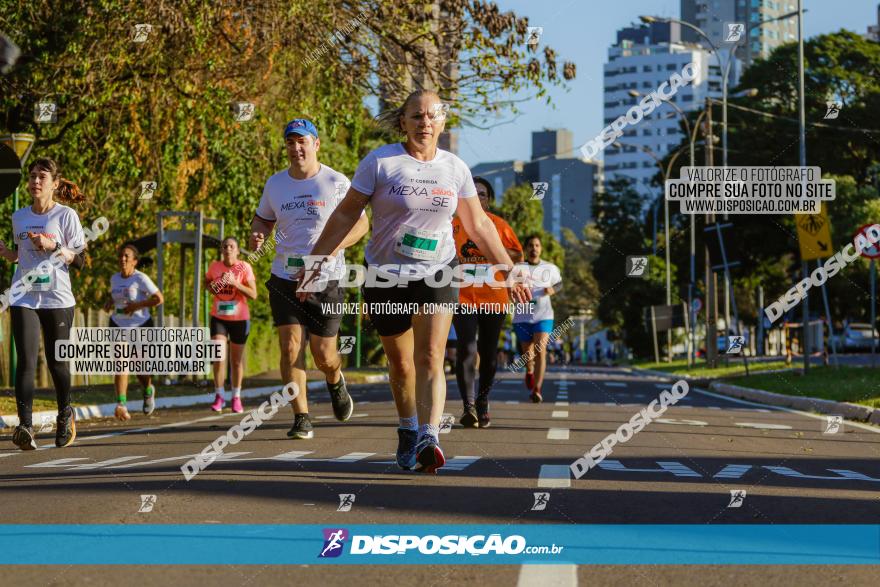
{"x": 236, "y": 331}
{"x": 313, "y": 314}
{"x": 390, "y": 320}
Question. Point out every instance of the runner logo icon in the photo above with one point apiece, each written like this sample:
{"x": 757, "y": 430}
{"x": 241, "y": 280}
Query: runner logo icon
{"x": 636, "y": 266}
{"x": 833, "y": 110}
{"x": 735, "y": 345}
{"x": 148, "y": 188}
{"x": 346, "y": 500}
{"x": 539, "y": 189}
{"x": 541, "y": 501}
{"x": 147, "y": 503}
{"x": 346, "y": 344}
{"x": 735, "y": 32}
{"x": 832, "y": 424}
{"x": 737, "y": 496}
{"x": 333, "y": 542}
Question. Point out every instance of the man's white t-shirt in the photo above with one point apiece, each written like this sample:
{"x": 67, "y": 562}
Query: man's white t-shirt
{"x": 413, "y": 202}
{"x": 300, "y": 208}
{"x": 137, "y": 287}
{"x": 544, "y": 275}
{"x": 52, "y": 288}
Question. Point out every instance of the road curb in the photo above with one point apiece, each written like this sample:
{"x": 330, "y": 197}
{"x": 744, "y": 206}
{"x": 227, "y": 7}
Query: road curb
{"x": 804, "y": 403}
{"x": 181, "y": 401}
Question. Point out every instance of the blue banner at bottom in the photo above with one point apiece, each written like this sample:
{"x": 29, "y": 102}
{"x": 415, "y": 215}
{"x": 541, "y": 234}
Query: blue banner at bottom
{"x": 179, "y": 544}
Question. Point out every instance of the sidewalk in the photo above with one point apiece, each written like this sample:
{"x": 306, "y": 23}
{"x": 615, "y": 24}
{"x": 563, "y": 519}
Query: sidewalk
{"x": 106, "y": 410}
{"x": 803, "y": 403}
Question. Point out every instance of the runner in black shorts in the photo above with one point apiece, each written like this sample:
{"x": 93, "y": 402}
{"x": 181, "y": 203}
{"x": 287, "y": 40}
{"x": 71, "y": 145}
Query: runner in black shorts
{"x": 132, "y": 294}
{"x": 414, "y": 188}
{"x": 232, "y": 282}
{"x": 45, "y": 302}
{"x": 298, "y": 201}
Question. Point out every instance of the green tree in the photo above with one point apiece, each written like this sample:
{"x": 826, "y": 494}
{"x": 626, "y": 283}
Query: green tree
{"x": 580, "y": 290}
{"x": 526, "y": 217}
{"x": 621, "y": 232}
{"x": 161, "y": 110}
{"x": 839, "y": 67}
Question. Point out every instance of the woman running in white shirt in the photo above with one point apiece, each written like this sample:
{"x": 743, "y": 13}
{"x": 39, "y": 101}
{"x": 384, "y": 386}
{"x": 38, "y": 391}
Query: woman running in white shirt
{"x": 46, "y": 302}
{"x": 414, "y": 189}
{"x": 132, "y": 295}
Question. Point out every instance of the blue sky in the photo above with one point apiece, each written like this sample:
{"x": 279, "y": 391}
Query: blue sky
{"x": 581, "y": 31}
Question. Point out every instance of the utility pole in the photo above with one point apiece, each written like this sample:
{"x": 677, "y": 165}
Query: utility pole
{"x": 802, "y": 152}
{"x": 711, "y": 301}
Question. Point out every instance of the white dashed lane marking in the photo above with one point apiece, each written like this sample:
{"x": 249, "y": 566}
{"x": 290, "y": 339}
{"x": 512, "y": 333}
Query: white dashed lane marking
{"x": 557, "y": 434}
{"x": 763, "y": 426}
{"x": 547, "y": 576}
{"x": 559, "y": 414}
{"x": 682, "y": 422}
{"x": 352, "y": 457}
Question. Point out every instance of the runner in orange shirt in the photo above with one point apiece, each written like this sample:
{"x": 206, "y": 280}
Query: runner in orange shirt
{"x": 486, "y": 316}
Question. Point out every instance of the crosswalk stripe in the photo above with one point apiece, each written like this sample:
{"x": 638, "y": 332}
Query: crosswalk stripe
{"x": 107, "y": 463}
{"x": 460, "y": 463}
{"x": 292, "y": 455}
{"x": 154, "y": 461}
{"x": 57, "y": 463}
{"x": 352, "y": 457}
{"x": 554, "y": 476}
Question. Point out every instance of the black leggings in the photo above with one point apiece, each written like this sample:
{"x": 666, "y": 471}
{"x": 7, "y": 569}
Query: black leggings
{"x": 467, "y": 347}
{"x": 26, "y": 325}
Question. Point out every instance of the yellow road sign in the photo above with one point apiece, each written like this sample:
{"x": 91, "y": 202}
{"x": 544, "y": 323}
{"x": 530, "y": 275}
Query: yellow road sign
{"x": 814, "y": 235}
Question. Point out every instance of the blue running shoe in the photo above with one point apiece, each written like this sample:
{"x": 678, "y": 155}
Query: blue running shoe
{"x": 406, "y": 448}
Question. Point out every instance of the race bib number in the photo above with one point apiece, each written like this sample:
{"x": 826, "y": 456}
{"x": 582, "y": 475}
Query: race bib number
{"x": 293, "y": 264}
{"x": 43, "y": 283}
{"x": 478, "y": 271}
{"x": 416, "y": 243}
{"x": 226, "y": 308}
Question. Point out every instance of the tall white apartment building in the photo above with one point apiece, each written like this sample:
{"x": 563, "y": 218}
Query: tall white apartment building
{"x": 710, "y": 16}
{"x": 641, "y": 60}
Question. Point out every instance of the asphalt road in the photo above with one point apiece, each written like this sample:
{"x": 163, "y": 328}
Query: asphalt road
{"x": 680, "y": 469}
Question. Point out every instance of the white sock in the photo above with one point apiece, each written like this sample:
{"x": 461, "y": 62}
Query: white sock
{"x": 411, "y": 423}
{"x": 428, "y": 430}
{"x": 220, "y": 391}
{"x": 236, "y": 392}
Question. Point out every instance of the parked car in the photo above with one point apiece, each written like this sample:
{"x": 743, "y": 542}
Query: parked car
{"x": 856, "y": 336}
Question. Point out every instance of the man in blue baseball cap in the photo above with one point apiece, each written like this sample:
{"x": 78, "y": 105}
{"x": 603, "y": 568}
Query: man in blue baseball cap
{"x": 301, "y": 127}
{"x": 298, "y": 201}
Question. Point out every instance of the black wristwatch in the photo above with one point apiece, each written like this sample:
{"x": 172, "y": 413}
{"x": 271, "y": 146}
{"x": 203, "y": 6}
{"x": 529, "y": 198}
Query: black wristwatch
{"x": 57, "y": 247}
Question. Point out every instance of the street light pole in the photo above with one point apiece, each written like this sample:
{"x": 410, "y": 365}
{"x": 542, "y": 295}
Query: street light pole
{"x": 802, "y": 152}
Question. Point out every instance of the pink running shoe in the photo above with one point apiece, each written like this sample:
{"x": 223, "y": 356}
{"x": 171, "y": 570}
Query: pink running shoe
{"x": 218, "y": 404}
{"x": 236, "y": 405}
